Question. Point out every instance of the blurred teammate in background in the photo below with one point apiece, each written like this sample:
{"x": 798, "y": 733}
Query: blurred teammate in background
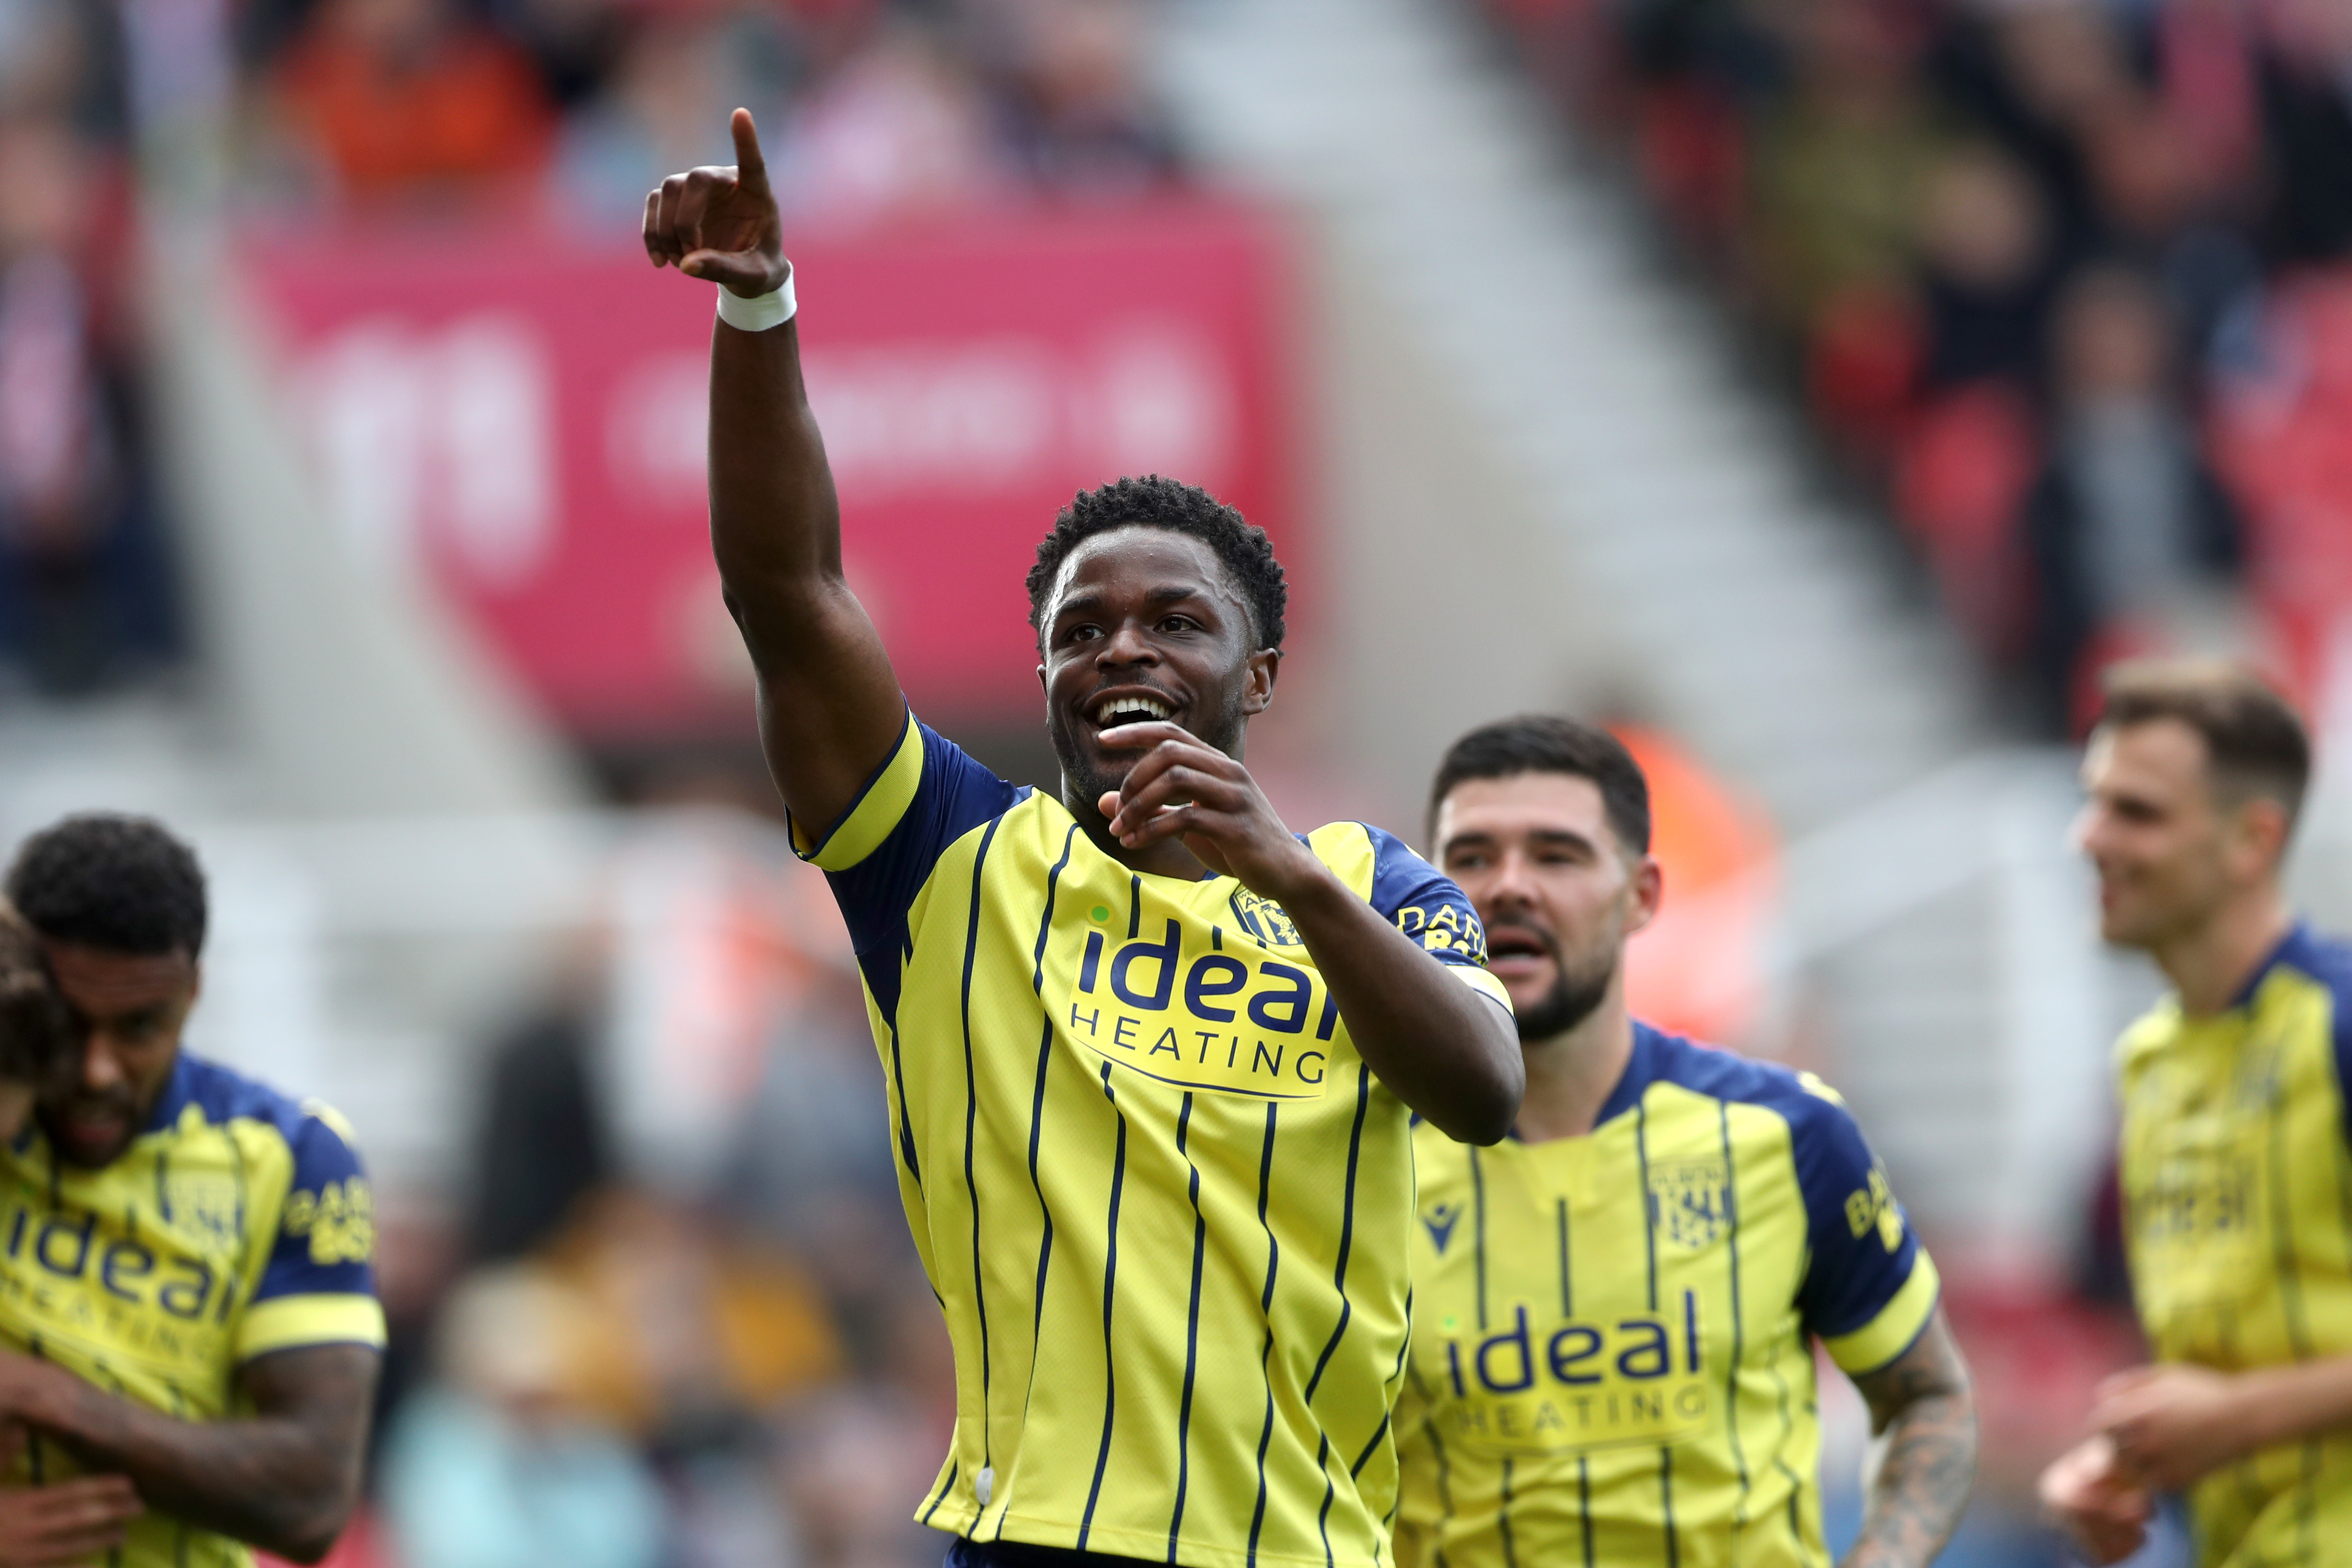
{"x": 184, "y": 1289}
{"x": 2237, "y": 1180}
{"x": 1130, "y": 1031}
{"x": 1614, "y": 1311}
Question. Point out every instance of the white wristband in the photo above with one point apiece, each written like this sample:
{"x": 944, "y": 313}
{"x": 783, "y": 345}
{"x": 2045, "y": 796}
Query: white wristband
{"x": 757, "y": 315}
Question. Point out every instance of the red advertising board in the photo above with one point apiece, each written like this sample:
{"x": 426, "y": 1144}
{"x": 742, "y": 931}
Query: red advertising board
{"x": 527, "y": 418}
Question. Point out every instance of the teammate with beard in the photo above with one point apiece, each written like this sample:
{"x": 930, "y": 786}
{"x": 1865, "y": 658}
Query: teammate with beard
{"x": 1148, "y": 1055}
{"x": 1612, "y": 1355}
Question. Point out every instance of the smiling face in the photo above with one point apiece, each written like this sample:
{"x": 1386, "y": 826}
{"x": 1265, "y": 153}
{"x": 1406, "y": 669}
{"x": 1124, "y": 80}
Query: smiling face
{"x": 1557, "y": 890}
{"x": 127, "y": 1009}
{"x": 2168, "y": 849}
{"x": 1145, "y": 624}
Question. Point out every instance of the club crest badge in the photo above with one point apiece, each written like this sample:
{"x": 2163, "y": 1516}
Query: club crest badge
{"x": 207, "y": 1201}
{"x": 1690, "y": 1202}
{"x": 1264, "y": 919}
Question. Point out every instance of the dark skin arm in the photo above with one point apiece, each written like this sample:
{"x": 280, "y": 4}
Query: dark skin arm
{"x": 1448, "y": 1052}
{"x": 829, "y": 704}
{"x": 830, "y": 709}
{"x": 1924, "y": 1413}
{"x": 284, "y": 1478}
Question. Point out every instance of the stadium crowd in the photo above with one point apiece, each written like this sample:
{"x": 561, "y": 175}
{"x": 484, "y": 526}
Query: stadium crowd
{"x": 2061, "y": 282}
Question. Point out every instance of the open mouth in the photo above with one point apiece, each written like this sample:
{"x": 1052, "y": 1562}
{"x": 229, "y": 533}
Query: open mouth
{"x": 1516, "y": 950}
{"x": 1119, "y": 708}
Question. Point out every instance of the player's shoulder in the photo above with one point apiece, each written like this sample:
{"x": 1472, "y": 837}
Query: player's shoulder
{"x": 2317, "y": 958}
{"x": 220, "y": 1096}
{"x": 1812, "y": 1109}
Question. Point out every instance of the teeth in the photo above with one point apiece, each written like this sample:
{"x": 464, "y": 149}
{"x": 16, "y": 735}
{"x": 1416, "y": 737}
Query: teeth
{"x": 1133, "y": 710}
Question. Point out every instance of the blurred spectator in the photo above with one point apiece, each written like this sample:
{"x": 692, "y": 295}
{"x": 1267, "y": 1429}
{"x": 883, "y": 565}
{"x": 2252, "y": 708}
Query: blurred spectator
{"x": 2132, "y": 540}
{"x": 1985, "y": 253}
{"x": 86, "y": 599}
{"x": 504, "y": 1464}
{"x": 899, "y": 130}
{"x": 1075, "y": 113}
{"x": 412, "y": 102}
{"x": 543, "y": 1144}
{"x": 1840, "y": 166}
{"x": 664, "y": 108}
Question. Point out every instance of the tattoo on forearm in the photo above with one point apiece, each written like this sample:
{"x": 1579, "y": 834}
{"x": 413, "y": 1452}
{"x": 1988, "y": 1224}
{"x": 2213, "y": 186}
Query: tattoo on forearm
{"x": 1923, "y": 1408}
{"x": 282, "y": 1480}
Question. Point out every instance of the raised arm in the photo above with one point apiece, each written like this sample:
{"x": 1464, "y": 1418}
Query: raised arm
{"x": 284, "y": 1478}
{"x": 830, "y": 709}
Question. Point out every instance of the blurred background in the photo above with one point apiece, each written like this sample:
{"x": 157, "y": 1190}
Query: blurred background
{"x": 1820, "y": 390}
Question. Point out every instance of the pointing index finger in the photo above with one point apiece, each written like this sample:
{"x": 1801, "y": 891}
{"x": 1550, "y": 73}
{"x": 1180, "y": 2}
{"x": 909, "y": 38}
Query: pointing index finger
{"x": 749, "y": 164}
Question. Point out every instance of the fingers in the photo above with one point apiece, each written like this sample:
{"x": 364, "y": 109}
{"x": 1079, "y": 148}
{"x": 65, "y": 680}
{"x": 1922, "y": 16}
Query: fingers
{"x": 751, "y": 164}
{"x": 1175, "y": 785}
{"x": 674, "y": 212}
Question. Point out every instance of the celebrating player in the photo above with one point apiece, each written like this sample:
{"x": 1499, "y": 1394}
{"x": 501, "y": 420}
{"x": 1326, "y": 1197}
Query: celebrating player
{"x": 1149, "y": 1054}
{"x": 2233, "y": 1156}
{"x": 1611, "y": 1349}
{"x": 184, "y": 1287}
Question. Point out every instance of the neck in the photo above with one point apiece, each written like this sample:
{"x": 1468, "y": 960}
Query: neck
{"x": 1572, "y": 1075}
{"x": 2211, "y": 962}
{"x": 1163, "y": 857}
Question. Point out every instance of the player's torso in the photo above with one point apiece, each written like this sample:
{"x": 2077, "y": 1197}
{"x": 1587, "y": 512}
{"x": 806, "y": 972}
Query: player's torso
{"x": 1607, "y": 1349}
{"x": 2237, "y": 1190}
{"x": 1163, "y": 1200}
{"x": 133, "y": 1277}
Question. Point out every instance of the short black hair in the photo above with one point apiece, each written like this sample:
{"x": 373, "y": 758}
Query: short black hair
{"x": 1155, "y": 502}
{"x": 103, "y": 879}
{"x": 1545, "y": 743}
{"x": 2255, "y": 743}
{"x": 37, "y": 1034}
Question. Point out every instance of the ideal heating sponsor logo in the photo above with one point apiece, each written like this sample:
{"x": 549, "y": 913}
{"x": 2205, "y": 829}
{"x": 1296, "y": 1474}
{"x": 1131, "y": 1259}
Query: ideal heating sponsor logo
{"x": 1580, "y": 1385}
{"x": 1204, "y": 1007}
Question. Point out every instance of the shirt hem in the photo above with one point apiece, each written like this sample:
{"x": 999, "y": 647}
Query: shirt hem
{"x": 1060, "y": 1534}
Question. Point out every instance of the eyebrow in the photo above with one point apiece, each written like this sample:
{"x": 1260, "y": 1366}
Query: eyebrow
{"x": 1169, "y": 593}
{"x": 1538, "y": 835}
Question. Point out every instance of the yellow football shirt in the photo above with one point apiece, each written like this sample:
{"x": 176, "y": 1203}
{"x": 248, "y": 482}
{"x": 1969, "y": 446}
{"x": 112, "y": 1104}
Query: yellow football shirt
{"x": 1612, "y": 1334}
{"x": 1163, "y": 1202}
{"x": 2237, "y": 1188}
{"x": 238, "y": 1223}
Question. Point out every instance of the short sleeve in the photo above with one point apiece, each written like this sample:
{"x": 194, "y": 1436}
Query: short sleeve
{"x": 1427, "y": 906}
{"x": 1869, "y": 1287}
{"x": 927, "y": 795}
{"x": 317, "y": 1284}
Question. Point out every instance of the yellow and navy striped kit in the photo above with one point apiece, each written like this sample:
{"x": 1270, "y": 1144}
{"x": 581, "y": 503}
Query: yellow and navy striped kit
{"x": 2237, "y": 1188}
{"x": 238, "y": 1223}
{"x": 1612, "y": 1345}
{"x": 1163, "y": 1202}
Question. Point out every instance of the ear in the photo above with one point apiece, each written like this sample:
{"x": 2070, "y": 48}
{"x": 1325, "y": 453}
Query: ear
{"x": 1264, "y": 666}
{"x": 2258, "y": 836}
{"x": 1649, "y": 893}
{"x": 1042, "y": 686}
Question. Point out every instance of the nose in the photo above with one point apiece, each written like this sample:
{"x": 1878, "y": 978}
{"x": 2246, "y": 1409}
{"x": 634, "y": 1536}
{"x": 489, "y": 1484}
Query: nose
{"x": 1507, "y": 888}
{"x": 1126, "y": 645}
{"x": 101, "y": 1069}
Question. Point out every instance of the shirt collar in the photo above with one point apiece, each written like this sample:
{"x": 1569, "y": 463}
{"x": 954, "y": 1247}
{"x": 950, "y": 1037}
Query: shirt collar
{"x": 2291, "y": 945}
{"x": 178, "y": 1090}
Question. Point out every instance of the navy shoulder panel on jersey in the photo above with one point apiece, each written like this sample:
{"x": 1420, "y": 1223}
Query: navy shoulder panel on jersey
{"x": 222, "y": 1094}
{"x": 2327, "y": 960}
{"x": 1861, "y": 1243}
{"x": 952, "y": 795}
{"x": 1423, "y": 902}
{"x": 326, "y": 1240}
